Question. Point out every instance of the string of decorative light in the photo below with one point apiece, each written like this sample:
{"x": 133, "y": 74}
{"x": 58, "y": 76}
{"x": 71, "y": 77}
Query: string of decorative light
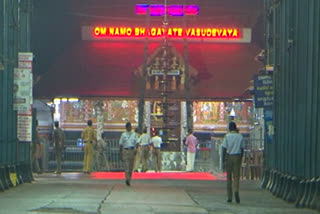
{"x": 164, "y": 82}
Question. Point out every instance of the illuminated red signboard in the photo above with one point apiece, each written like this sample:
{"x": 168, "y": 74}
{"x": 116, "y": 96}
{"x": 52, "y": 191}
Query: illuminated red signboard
{"x": 191, "y": 10}
{"x": 141, "y": 9}
{"x": 196, "y": 34}
{"x": 175, "y": 10}
{"x": 172, "y": 10}
{"x": 157, "y": 10}
{"x": 223, "y": 33}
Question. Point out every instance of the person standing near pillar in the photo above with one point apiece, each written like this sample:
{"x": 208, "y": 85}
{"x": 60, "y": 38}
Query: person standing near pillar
{"x": 156, "y": 150}
{"x": 58, "y": 138}
{"x": 137, "y": 158}
{"x": 128, "y": 142}
{"x": 36, "y": 151}
{"x": 89, "y": 137}
{"x": 232, "y": 156}
{"x": 191, "y": 143}
{"x": 144, "y": 142}
{"x": 102, "y": 163}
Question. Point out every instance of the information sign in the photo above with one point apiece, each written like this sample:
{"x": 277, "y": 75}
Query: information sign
{"x": 263, "y": 91}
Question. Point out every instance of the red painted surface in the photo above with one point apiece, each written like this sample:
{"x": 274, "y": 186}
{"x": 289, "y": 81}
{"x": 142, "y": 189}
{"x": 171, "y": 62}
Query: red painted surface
{"x": 157, "y": 176}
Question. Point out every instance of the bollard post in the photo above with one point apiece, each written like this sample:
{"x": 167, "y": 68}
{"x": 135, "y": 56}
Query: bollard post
{"x": 19, "y": 174}
{"x": 275, "y": 182}
{"x": 300, "y": 192}
{"x": 4, "y": 178}
{"x": 7, "y": 174}
{"x": 288, "y": 188}
{"x": 280, "y": 186}
{"x": 293, "y": 191}
{"x": 303, "y": 200}
{"x": 277, "y": 186}
{"x": 23, "y": 173}
{"x": 29, "y": 172}
{"x": 284, "y": 186}
{"x": 265, "y": 178}
{"x": 316, "y": 197}
{"x": 312, "y": 190}
{"x": 13, "y": 175}
{"x": 270, "y": 180}
{"x": 2, "y": 185}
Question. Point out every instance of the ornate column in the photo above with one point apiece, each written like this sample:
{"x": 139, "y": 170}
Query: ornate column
{"x": 221, "y": 113}
{"x": 98, "y": 107}
{"x": 147, "y": 115}
{"x": 144, "y": 82}
{"x": 183, "y": 122}
{"x": 184, "y": 132}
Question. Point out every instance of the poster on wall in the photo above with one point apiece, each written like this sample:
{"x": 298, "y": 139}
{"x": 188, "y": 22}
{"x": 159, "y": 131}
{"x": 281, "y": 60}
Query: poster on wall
{"x": 269, "y": 129}
{"x": 22, "y": 90}
{"x": 24, "y": 128}
{"x": 22, "y": 96}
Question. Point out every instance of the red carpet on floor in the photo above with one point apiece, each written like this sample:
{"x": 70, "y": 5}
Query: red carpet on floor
{"x": 161, "y": 175}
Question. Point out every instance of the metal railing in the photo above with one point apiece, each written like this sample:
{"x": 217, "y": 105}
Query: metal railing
{"x": 106, "y": 156}
{"x": 208, "y": 157}
{"x": 252, "y": 162}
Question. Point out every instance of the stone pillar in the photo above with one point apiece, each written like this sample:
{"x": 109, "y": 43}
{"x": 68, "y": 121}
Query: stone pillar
{"x": 184, "y": 132}
{"x": 147, "y": 115}
{"x": 221, "y": 113}
{"x": 100, "y": 118}
{"x": 183, "y": 122}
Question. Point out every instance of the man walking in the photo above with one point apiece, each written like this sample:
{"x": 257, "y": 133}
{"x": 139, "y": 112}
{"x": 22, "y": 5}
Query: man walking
{"x": 232, "y": 156}
{"x": 156, "y": 150}
{"x": 58, "y": 138}
{"x": 89, "y": 136}
{"x": 128, "y": 142}
{"x": 191, "y": 143}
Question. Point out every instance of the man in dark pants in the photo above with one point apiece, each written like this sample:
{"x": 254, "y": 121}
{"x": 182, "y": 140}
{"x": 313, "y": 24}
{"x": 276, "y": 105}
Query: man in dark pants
{"x": 232, "y": 157}
{"x": 156, "y": 150}
{"x": 128, "y": 142}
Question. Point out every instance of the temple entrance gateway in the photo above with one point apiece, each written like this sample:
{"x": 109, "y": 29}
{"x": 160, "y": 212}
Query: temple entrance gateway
{"x": 209, "y": 120}
{"x": 154, "y": 75}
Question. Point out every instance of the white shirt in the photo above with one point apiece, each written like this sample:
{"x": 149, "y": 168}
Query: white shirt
{"x": 128, "y": 139}
{"x": 233, "y": 142}
{"x": 157, "y": 141}
{"x": 144, "y": 139}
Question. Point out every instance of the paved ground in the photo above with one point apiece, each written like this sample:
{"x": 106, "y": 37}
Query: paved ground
{"x": 78, "y": 193}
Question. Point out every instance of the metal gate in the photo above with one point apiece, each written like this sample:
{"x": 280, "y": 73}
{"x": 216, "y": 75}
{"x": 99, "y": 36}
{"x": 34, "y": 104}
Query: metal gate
{"x": 252, "y": 162}
{"x": 106, "y": 156}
